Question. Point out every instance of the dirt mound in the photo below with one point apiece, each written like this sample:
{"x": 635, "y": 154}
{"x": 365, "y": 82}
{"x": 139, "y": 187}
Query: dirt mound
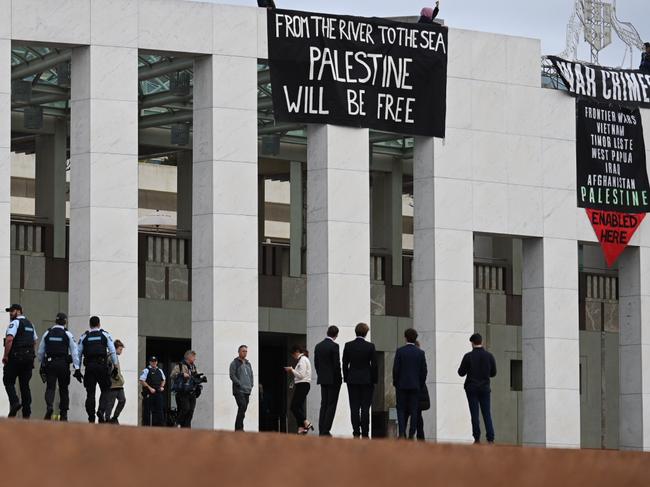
{"x": 73, "y": 455}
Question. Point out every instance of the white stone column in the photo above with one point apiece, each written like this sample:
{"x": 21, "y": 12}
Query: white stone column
{"x": 296, "y": 219}
{"x": 224, "y": 232}
{"x": 550, "y": 343}
{"x": 443, "y": 295}
{"x": 338, "y": 245}
{"x": 5, "y": 164}
{"x": 104, "y": 205}
{"x": 51, "y": 157}
{"x": 184, "y": 193}
{"x": 634, "y": 349}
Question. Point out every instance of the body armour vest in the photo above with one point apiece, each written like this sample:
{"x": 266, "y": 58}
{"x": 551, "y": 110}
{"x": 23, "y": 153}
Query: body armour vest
{"x": 95, "y": 344}
{"x": 24, "y": 339}
{"x": 154, "y": 378}
{"x": 57, "y": 343}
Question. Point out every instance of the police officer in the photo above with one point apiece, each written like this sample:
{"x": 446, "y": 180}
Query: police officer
{"x": 153, "y": 386}
{"x": 93, "y": 345}
{"x": 55, "y": 353}
{"x": 18, "y": 360}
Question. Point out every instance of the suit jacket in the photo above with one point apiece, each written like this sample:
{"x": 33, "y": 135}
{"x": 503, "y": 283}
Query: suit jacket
{"x": 359, "y": 364}
{"x": 409, "y": 368}
{"x": 478, "y": 365}
{"x": 327, "y": 362}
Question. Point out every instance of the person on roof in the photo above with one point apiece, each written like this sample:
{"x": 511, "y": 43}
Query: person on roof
{"x": 427, "y": 14}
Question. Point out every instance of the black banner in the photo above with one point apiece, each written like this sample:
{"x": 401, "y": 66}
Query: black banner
{"x": 622, "y": 86}
{"x": 359, "y": 72}
{"x": 611, "y": 161}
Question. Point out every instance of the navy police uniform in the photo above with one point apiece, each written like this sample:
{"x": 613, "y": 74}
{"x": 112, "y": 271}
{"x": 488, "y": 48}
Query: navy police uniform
{"x": 20, "y": 364}
{"x": 153, "y": 404}
{"x": 93, "y": 346}
{"x": 56, "y": 352}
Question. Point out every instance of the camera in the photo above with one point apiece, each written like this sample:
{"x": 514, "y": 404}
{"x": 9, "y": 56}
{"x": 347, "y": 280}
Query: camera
{"x": 199, "y": 378}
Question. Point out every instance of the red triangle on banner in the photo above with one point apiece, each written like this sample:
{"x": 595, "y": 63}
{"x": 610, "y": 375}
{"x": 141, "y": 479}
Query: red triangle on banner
{"x": 614, "y": 231}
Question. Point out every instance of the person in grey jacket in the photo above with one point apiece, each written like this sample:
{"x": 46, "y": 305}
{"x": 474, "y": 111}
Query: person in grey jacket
{"x": 241, "y": 375}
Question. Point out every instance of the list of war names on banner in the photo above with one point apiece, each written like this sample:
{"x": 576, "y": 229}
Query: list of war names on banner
{"x": 611, "y": 165}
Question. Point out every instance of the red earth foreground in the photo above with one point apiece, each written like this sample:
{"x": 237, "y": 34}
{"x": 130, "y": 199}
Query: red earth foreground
{"x": 74, "y": 455}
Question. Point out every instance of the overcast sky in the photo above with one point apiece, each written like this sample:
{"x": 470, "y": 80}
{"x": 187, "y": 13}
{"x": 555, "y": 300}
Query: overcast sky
{"x": 545, "y": 20}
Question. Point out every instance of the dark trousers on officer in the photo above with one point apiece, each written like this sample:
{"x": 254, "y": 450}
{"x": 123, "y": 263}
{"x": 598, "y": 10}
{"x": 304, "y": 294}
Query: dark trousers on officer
{"x": 360, "y": 396}
{"x": 57, "y": 370}
{"x": 185, "y": 404}
{"x": 242, "y": 406}
{"x": 153, "y": 409}
{"x": 96, "y": 374}
{"x": 476, "y": 399}
{"x": 21, "y": 370}
{"x": 329, "y": 398}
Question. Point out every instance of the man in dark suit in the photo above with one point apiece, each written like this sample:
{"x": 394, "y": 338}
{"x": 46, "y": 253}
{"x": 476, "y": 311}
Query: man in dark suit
{"x": 479, "y": 366}
{"x": 409, "y": 378}
{"x": 327, "y": 362}
{"x": 360, "y": 374}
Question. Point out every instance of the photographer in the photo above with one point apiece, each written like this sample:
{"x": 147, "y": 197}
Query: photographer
{"x": 186, "y": 382}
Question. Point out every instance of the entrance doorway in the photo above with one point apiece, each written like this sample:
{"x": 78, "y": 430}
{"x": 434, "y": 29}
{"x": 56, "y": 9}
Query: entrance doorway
{"x": 169, "y": 352}
{"x": 275, "y": 393}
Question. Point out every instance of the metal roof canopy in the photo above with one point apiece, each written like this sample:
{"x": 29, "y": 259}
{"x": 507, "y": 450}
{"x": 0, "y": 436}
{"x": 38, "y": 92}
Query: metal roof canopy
{"x": 160, "y": 107}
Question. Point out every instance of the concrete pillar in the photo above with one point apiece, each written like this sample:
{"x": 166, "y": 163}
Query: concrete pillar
{"x": 550, "y": 343}
{"x": 5, "y": 164}
{"x": 338, "y": 245}
{"x": 296, "y": 219}
{"x": 184, "y": 193}
{"x": 396, "y": 183}
{"x": 225, "y": 231}
{"x": 634, "y": 349}
{"x": 103, "y": 265}
{"x": 443, "y": 296}
{"x": 51, "y": 187}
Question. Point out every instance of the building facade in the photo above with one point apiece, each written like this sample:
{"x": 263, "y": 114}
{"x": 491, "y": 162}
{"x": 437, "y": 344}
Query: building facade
{"x": 150, "y": 186}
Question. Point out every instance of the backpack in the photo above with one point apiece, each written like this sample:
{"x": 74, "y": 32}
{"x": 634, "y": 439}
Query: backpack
{"x": 180, "y": 384}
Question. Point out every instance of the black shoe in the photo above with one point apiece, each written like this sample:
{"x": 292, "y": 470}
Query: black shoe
{"x": 91, "y": 419}
{"x": 48, "y": 415}
{"x": 100, "y": 417}
{"x": 477, "y": 442}
{"x": 63, "y": 417}
{"x": 13, "y": 410}
{"x": 114, "y": 420}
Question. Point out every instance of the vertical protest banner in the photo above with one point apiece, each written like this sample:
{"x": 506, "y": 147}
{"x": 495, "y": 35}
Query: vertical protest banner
{"x": 612, "y": 179}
